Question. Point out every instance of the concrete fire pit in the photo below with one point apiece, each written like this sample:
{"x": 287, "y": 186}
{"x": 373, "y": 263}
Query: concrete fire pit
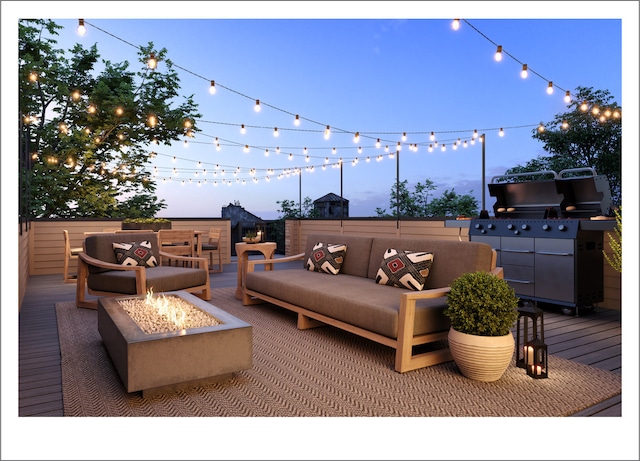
{"x": 168, "y": 361}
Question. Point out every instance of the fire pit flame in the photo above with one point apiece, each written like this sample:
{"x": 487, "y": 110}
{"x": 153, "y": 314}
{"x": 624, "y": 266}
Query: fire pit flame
{"x": 171, "y": 312}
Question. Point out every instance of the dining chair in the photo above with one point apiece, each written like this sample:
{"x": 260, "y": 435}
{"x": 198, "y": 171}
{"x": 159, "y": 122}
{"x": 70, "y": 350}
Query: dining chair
{"x": 177, "y": 242}
{"x": 69, "y": 254}
{"x": 212, "y": 246}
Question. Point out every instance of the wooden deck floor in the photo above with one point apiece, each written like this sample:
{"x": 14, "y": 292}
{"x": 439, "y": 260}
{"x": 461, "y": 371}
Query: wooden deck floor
{"x": 594, "y": 338}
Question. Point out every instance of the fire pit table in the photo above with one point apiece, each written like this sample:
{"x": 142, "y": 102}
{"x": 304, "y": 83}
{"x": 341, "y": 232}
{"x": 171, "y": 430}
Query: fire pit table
{"x": 170, "y": 360}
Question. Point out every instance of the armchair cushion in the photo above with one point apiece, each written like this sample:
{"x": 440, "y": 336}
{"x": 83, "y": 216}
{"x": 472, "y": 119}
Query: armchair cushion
{"x": 404, "y": 269}
{"x": 135, "y": 254}
{"x": 159, "y": 279}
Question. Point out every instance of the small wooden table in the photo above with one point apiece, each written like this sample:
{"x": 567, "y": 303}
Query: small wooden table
{"x": 242, "y": 251}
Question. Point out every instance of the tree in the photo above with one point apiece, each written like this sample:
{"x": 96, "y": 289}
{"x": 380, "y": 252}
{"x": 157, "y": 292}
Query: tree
{"x": 589, "y": 135}
{"x": 292, "y": 210}
{"x": 89, "y": 134}
{"x": 416, "y": 203}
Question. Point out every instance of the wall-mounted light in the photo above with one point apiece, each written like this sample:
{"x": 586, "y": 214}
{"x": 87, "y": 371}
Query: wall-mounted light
{"x": 498, "y": 55}
{"x": 81, "y": 27}
{"x": 524, "y": 73}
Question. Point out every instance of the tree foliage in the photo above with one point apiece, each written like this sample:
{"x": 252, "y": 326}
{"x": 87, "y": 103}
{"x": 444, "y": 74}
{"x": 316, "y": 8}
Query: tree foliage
{"x": 293, "y": 210}
{"x": 90, "y": 131}
{"x": 404, "y": 202}
{"x": 586, "y": 136}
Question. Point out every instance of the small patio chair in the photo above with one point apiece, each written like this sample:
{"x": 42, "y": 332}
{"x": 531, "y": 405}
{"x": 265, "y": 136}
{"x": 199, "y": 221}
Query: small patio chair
{"x": 212, "y": 246}
{"x": 69, "y": 254}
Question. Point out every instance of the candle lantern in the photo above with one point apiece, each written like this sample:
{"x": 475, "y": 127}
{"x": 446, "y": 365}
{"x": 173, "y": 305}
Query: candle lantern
{"x": 537, "y": 367}
{"x": 530, "y": 326}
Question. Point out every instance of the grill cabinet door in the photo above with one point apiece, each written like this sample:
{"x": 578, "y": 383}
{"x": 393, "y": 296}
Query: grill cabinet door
{"x": 555, "y": 269}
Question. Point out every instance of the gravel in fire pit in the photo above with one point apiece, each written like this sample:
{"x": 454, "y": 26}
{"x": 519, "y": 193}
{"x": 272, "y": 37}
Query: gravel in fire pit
{"x": 153, "y": 319}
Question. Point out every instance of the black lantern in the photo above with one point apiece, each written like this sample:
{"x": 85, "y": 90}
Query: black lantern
{"x": 530, "y": 326}
{"x": 536, "y": 359}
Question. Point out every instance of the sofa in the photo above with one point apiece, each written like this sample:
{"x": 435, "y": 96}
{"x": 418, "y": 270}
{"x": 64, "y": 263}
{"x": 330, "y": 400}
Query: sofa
{"x": 358, "y": 296}
{"x": 139, "y": 268}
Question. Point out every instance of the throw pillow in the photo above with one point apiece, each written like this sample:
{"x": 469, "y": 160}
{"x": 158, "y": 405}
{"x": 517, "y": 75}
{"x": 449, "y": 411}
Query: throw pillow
{"x": 135, "y": 254}
{"x": 327, "y": 257}
{"x": 404, "y": 269}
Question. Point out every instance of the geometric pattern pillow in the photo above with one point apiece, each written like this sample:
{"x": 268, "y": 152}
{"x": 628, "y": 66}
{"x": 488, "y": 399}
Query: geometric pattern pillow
{"x": 135, "y": 254}
{"x": 404, "y": 269}
{"x": 327, "y": 257}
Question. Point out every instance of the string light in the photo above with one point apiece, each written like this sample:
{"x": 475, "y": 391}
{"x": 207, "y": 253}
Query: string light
{"x": 475, "y": 134}
{"x": 356, "y": 137}
{"x": 327, "y": 132}
{"x": 243, "y": 129}
{"x": 404, "y": 137}
{"x": 432, "y": 136}
{"x": 584, "y": 106}
{"x": 540, "y": 128}
{"x": 567, "y": 97}
{"x": 246, "y": 148}
{"x": 257, "y": 106}
{"x": 81, "y": 28}
{"x": 550, "y": 88}
{"x": 378, "y": 144}
{"x": 565, "y": 125}
{"x": 524, "y": 73}
{"x": 152, "y": 62}
{"x": 275, "y": 132}
{"x": 500, "y": 133}
{"x": 455, "y": 25}
{"x": 498, "y": 55}
{"x": 296, "y": 122}
{"x": 119, "y": 111}
{"x": 33, "y": 77}
{"x": 212, "y": 87}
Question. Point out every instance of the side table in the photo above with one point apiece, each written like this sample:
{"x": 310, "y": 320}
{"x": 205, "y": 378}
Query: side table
{"x": 242, "y": 251}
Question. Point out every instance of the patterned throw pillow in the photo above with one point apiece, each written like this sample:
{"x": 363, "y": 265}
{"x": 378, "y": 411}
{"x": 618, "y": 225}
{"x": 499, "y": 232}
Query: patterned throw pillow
{"x": 327, "y": 257}
{"x": 404, "y": 269}
{"x": 135, "y": 254}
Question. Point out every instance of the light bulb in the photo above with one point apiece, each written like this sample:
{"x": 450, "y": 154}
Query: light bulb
{"x": 524, "y": 73}
{"x": 119, "y": 111}
{"x": 567, "y": 97}
{"x": 430, "y": 147}
{"x": 475, "y": 134}
{"x": 333, "y": 151}
{"x": 76, "y": 95}
{"x": 498, "y": 55}
{"x": 540, "y": 128}
{"x": 81, "y": 27}
{"x": 33, "y": 77}
{"x": 152, "y": 120}
{"x": 501, "y": 133}
{"x": 565, "y": 125}
{"x": 359, "y": 149}
{"x": 432, "y": 136}
{"x": 327, "y": 132}
{"x": 212, "y": 87}
{"x": 92, "y": 109}
{"x": 550, "y": 88}
{"x": 378, "y": 144}
{"x": 246, "y": 149}
{"x": 152, "y": 62}
{"x": 584, "y": 106}
{"x": 455, "y": 25}
{"x": 404, "y": 137}
{"x": 399, "y": 147}
{"x": 296, "y": 122}
{"x": 356, "y": 138}
{"x": 242, "y": 129}
{"x": 266, "y": 152}
{"x": 275, "y": 132}
{"x": 305, "y": 151}
{"x": 257, "y": 106}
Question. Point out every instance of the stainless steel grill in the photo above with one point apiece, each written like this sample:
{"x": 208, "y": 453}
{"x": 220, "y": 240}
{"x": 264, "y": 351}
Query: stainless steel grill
{"x": 548, "y": 235}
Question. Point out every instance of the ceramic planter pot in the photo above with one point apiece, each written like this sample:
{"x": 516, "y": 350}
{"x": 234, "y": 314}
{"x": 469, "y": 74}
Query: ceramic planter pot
{"x": 483, "y": 358}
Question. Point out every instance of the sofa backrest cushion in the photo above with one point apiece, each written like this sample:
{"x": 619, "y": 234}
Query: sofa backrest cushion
{"x": 100, "y": 246}
{"x": 356, "y": 260}
{"x": 451, "y": 258}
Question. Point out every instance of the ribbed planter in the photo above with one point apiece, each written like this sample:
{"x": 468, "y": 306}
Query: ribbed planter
{"x": 483, "y": 358}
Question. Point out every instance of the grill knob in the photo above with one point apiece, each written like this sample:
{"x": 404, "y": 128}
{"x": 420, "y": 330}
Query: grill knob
{"x": 525, "y": 226}
{"x": 491, "y": 226}
{"x": 546, "y": 227}
{"x": 510, "y": 226}
{"x": 516, "y": 232}
{"x": 562, "y": 228}
{"x": 478, "y": 226}
{"x": 483, "y": 231}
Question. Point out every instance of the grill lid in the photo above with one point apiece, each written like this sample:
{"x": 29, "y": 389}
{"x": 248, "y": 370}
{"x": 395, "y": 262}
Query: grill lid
{"x": 568, "y": 194}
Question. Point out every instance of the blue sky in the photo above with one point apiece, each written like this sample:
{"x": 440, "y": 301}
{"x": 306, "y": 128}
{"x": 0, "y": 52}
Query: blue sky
{"x": 397, "y": 71}
{"x": 380, "y": 68}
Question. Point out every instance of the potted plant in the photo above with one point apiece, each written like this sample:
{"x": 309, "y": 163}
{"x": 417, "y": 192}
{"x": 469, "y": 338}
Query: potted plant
{"x": 153, "y": 224}
{"x": 482, "y": 308}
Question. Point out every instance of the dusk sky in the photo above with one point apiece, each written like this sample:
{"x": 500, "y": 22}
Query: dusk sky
{"x": 378, "y": 68}
{"x": 398, "y": 71}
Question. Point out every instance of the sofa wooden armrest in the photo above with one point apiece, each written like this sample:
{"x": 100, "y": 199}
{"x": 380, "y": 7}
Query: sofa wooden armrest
{"x": 251, "y": 264}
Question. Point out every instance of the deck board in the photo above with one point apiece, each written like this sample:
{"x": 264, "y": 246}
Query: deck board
{"x": 593, "y": 338}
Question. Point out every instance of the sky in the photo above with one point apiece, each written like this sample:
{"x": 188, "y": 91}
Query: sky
{"x": 377, "y": 68}
{"x": 397, "y": 71}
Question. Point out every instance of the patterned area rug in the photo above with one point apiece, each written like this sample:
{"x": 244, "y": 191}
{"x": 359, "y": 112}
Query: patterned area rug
{"x": 318, "y": 372}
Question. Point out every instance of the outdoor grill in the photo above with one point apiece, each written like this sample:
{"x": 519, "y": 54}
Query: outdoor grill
{"x": 549, "y": 235}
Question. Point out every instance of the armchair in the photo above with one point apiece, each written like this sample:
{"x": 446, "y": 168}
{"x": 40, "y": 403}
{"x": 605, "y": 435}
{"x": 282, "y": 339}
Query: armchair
{"x": 100, "y": 273}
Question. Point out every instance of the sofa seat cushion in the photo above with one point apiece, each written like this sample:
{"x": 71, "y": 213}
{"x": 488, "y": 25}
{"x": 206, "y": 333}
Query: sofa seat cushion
{"x": 355, "y": 300}
{"x": 160, "y": 279}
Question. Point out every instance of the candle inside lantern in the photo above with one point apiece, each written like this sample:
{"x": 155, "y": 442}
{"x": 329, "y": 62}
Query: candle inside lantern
{"x": 528, "y": 352}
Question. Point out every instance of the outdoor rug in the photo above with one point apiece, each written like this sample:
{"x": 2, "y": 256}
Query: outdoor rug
{"x": 318, "y": 372}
